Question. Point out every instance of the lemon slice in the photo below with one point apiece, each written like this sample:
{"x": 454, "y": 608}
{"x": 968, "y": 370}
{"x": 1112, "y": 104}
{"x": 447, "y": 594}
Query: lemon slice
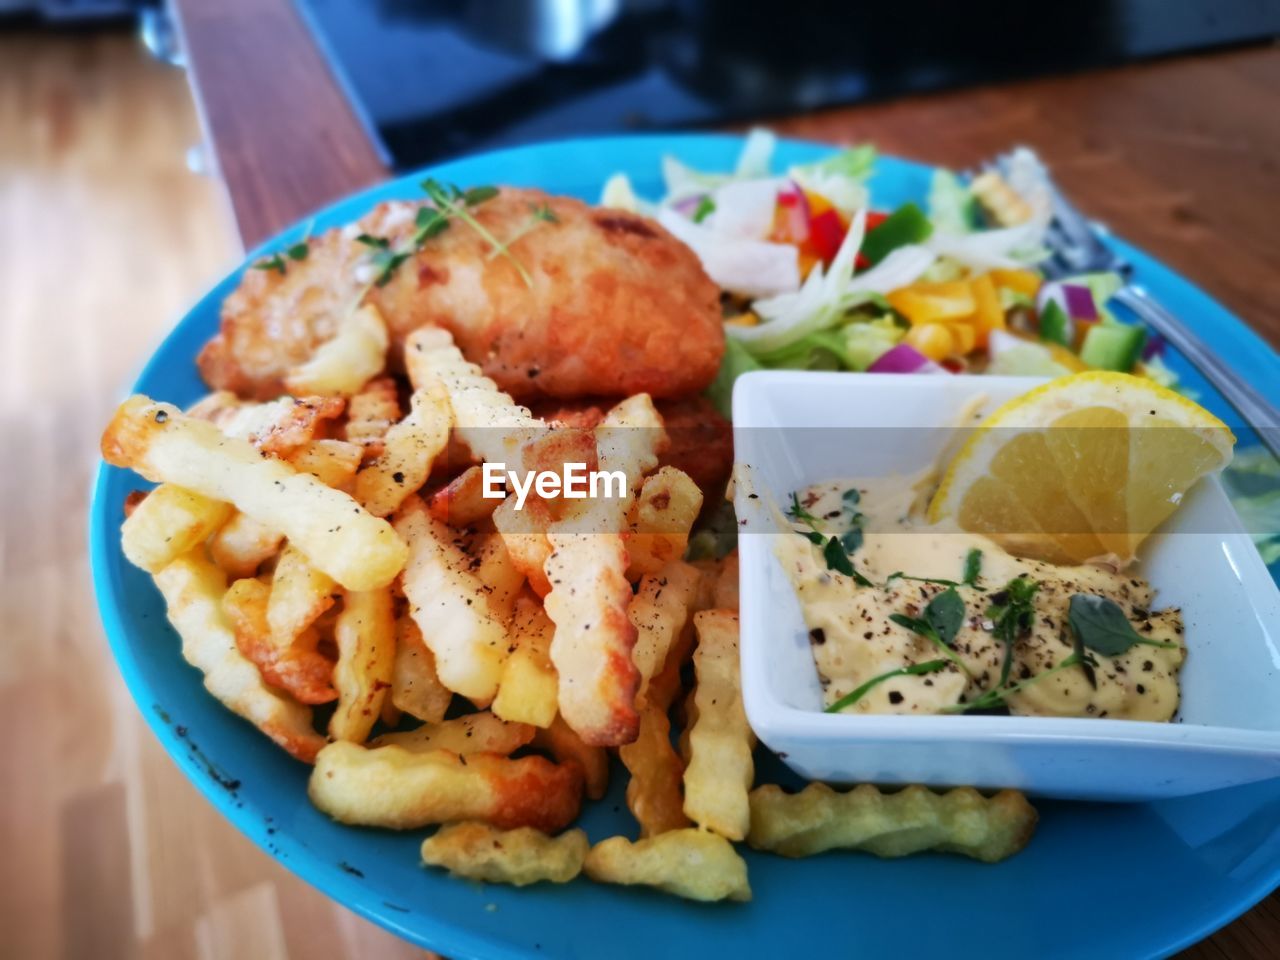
{"x": 1082, "y": 468}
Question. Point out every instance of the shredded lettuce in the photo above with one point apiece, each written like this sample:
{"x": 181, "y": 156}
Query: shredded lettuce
{"x": 952, "y": 206}
{"x": 1013, "y": 357}
{"x": 683, "y": 181}
{"x": 840, "y": 178}
{"x": 866, "y": 341}
{"x": 735, "y": 362}
{"x": 1253, "y": 484}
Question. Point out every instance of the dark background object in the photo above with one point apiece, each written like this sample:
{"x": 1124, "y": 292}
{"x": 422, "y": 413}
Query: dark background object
{"x": 436, "y": 78}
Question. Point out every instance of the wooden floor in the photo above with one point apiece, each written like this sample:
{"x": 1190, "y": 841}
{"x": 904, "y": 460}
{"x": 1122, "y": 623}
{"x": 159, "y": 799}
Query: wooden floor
{"x": 106, "y": 850}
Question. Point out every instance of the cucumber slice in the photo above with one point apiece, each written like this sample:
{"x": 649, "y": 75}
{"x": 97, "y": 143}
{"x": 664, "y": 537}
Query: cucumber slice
{"x": 1113, "y": 346}
{"x": 1055, "y": 325}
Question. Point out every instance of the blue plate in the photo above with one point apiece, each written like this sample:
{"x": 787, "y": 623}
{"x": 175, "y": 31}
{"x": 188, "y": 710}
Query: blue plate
{"x": 1097, "y": 880}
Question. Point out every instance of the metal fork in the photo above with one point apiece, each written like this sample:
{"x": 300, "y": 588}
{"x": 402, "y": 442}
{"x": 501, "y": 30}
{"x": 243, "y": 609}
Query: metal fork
{"x": 1076, "y": 246}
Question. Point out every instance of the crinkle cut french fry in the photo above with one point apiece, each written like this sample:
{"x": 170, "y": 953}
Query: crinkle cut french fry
{"x": 365, "y": 633}
{"x": 519, "y": 857}
{"x": 525, "y": 534}
{"x": 297, "y": 667}
{"x": 340, "y": 538}
{"x": 725, "y": 596}
{"x": 593, "y": 639}
{"x": 243, "y": 544}
{"x": 689, "y": 863}
{"x": 333, "y": 462}
{"x": 654, "y": 796}
{"x": 299, "y": 595}
{"x": 659, "y": 610}
{"x": 277, "y": 426}
{"x": 415, "y": 687}
{"x": 409, "y": 449}
{"x": 529, "y": 689}
{"x": 391, "y": 787}
{"x": 193, "y": 589}
{"x": 897, "y": 824}
{"x": 561, "y": 742}
{"x": 451, "y": 606}
{"x": 492, "y": 425}
{"x": 495, "y": 568}
{"x": 461, "y": 502}
{"x": 660, "y": 519}
{"x": 720, "y": 768}
{"x": 370, "y": 413}
{"x": 344, "y": 364}
{"x": 167, "y": 523}
{"x": 474, "y": 733}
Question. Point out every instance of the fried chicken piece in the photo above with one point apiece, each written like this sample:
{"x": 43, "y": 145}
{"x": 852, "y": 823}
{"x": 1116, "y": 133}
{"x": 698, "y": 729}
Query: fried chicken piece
{"x": 615, "y": 306}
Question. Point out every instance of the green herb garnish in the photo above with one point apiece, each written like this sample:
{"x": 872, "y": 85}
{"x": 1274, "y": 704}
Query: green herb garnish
{"x": 706, "y": 207}
{"x": 273, "y": 262}
{"x": 369, "y": 240}
{"x": 996, "y": 698}
{"x": 915, "y": 670}
{"x": 899, "y": 575}
{"x": 1102, "y": 627}
{"x": 1012, "y": 612}
{"x": 945, "y": 613}
{"x": 455, "y": 204}
{"x": 834, "y": 551}
{"x": 295, "y": 251}
{"x": 972, "y": 567}
{"x": 541, "y": 213}
{"x": 924, "y": 628}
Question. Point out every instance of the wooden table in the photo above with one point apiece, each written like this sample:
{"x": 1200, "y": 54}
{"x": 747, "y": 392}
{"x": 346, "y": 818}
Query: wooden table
{"x": 1177, "y": 156}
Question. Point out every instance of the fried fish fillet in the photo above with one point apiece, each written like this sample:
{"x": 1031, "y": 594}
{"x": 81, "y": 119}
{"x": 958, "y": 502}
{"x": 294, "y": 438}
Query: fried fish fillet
{"x": 615, "y": 304}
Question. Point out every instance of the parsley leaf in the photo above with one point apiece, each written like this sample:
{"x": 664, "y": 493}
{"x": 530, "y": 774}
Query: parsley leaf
{"x": 369, "y": 240}
{"x": 1102, "y": 627}
{"x": 274, "y": 262}
{"x": 945, "y": 614}
{"x": 972, "y": 567}
{"x": 926, "y": 629}
{"x": 298, "y": 251}
{"x": 706, "y": 207}
{"x": 1012, "y": 612}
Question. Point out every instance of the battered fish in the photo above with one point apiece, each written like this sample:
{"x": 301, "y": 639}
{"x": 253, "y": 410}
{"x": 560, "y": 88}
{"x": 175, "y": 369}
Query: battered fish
{"x": 616, "y": 305}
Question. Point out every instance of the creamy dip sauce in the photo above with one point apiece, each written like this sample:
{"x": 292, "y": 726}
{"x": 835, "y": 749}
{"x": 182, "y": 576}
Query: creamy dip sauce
{"x": 854, "y": 639}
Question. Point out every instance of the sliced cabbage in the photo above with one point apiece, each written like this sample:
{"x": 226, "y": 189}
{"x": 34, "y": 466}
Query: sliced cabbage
{"x": 1014, "y": 357}
{"x": 750, "y": 268}
{"x": 815, "y": 306}
{"x": 745, "y": 208}
{"x": 683, "y": 181}
{"x": 952, "y": 206}
{"x": 620, "y": 195}
{"x": 1005, "y": 249}
{"x": 756, "y": 155}
{"x": 841, "y": 178}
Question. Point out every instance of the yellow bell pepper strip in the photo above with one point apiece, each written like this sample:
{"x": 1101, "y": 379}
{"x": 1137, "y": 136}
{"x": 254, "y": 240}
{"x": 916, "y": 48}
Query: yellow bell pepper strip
{"x": 934, "y": 302}
{"x": 989, "y": 314}
{"x": 1026, "y": 282}
{"x": 933, "y": 340}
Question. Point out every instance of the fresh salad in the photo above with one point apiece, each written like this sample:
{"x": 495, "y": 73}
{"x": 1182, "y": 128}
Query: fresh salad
{"x": 815, "y": 276}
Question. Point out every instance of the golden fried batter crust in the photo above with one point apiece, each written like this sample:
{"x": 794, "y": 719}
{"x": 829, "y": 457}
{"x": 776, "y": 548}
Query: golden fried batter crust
{"x": 617, "y": 305}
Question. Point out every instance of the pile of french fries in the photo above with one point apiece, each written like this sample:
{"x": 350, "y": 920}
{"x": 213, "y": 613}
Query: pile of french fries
{"x": 477, "y": 664}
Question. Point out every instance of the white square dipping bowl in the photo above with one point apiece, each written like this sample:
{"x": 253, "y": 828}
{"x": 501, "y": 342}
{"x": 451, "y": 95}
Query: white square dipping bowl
{"x": 788, "y": 430}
